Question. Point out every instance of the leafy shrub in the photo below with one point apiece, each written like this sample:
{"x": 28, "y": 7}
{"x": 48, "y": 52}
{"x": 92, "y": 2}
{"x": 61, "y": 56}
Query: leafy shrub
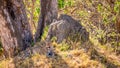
{"x": 61, "y": 3}
{"x": 65, "y": 3}
{"x": 64, "y": 46}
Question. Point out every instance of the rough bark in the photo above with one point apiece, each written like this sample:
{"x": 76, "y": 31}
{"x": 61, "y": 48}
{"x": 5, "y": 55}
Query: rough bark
{"x": 14, "y": 28}
{"x": 118, "y": 21}
{"x": 23, "y": 24}
{"x": 48, "y": 14}
{"x": 117, "y": 24}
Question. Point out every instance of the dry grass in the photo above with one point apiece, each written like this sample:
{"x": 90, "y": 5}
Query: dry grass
{"x": 76, "y": 58}
{"x": 93, "y": 54}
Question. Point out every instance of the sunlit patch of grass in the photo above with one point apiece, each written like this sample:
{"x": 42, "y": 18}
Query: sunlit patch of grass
{"x": 107, "y": 51}
{"x": 83, "y": 13}
{"x": 7, "y": 63}
{"x": 45, "y": 33}
{"x": 69, "y": 50}
{"x": 80, "y": 59}
{"x": 66, "y": 44}
{"x": 1, "y": 48}
{"x": 106, "y": 47}
{"x": 39, "y": 60}
{"x": 63, "y": 46}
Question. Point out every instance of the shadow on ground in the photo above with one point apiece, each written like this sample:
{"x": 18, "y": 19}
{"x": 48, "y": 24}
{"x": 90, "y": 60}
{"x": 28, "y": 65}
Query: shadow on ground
{"x": 95, "y": 54}
{"x": 35, "y": 57}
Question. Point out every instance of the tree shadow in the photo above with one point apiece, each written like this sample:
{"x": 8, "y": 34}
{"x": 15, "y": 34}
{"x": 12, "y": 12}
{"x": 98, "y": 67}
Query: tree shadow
{"x": 96, "y": 55}
{"x": 57, "y": 61}
{"x": 25, "y": 60}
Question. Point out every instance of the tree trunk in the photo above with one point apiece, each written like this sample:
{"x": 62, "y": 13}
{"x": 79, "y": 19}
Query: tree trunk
{"x": 49, "y": 12}
{"x": 14, "y": 28}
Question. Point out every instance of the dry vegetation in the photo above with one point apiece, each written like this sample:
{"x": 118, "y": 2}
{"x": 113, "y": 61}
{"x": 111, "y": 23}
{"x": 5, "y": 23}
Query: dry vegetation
{"x": 102, "y": 50}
